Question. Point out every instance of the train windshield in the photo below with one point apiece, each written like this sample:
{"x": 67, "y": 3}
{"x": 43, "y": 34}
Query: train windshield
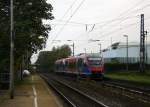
{"x": 94, "y": 61}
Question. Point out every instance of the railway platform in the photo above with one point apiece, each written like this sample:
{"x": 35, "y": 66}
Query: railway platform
{"x": 34, "y": 92}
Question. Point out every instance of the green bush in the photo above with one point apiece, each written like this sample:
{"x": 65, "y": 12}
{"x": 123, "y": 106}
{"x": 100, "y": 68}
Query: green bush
{"x": 121, "y": 66}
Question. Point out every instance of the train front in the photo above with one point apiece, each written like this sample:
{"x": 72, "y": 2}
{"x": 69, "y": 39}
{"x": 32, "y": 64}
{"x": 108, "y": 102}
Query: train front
{"x": 96, "y": 66}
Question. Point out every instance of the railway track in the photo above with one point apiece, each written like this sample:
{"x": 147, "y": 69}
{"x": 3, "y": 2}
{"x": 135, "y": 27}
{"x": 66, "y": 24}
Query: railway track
{"x": 142, "y": 93}
{"x": 130, "y": 91}
{"x": 129, "y": 84}
{"x": 126, "y": 88}
{"x": 72, "y": 96}
{"x": 113, "y": 97}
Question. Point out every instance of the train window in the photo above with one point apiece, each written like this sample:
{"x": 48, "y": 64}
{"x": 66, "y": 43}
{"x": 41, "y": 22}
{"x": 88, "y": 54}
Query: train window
{"x": 94, "y": 61}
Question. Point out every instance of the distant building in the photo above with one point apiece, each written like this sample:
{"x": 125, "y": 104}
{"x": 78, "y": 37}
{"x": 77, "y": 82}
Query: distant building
{"x": 117, "y": 52}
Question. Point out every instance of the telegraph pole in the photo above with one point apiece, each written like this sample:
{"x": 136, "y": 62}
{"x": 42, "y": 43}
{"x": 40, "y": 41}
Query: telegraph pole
{"x": 146, "y": 56}
{"x": 11, "y": 84}
{"x": 142, "y": 45}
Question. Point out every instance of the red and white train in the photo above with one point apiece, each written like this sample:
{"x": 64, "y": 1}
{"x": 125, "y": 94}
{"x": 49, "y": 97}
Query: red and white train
{"x": 89, "y": 65}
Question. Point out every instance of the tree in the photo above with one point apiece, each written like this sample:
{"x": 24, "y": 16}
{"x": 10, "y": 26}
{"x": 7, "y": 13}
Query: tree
{"x": 30, "y": 32}
{"x": 46, "y": 59}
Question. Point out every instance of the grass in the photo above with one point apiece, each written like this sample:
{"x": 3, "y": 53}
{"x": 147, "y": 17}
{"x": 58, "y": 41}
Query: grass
{"x": 130, "y": 76}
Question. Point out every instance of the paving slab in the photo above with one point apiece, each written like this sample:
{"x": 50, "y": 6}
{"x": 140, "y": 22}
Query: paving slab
{"x": 33, "y": 93}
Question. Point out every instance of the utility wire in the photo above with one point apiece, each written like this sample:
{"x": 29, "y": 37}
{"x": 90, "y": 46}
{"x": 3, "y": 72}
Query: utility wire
{"x": 72, "y": 22}
{"x": 126, "y": 12}
{"x": 116, "y": 19}
{"x": 122, "y": 14}
{"x": 124, "y": 27}
{"x": 115, "y": 31}
{"x": 66, "y": 11}
{"x": 143, "y": 7}
{"x": 68, "y": 19}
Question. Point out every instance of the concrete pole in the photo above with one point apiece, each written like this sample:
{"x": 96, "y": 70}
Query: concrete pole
{"x": 11, "y": 84}
{"x": 142, "y": 45}
{"x": 146, "y": 56}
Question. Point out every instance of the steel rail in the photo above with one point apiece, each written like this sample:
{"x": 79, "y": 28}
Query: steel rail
{"x": 144, "y": 96}
{"x": 71, "y": 104}
{"x": 100, "y": 104}
{"x": 124, "y": 87}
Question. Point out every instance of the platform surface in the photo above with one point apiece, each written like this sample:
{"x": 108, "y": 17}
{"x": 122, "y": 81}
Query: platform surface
{"x": 34, "y": 92}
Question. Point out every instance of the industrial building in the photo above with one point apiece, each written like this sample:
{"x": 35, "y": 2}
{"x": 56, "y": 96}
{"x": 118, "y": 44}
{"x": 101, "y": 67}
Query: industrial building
{"x": 117, "y": 52}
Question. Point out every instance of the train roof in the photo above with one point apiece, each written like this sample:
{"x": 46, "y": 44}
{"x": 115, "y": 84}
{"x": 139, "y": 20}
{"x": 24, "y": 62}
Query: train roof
{"x": 96, "y": 55}
{"x": 90, "y": 54}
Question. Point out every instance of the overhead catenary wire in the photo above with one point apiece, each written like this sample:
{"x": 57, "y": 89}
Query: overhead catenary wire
{"x": 68, "y": 9}
{"x": 115, "y": 31}
{"x": 71, "y": 22}
{"x": 134, "y": 6}
{"x": 124, "y": 27}
{"x": 120, "y": 17}
{"x": 143, "y": 7}
{"x": 104, "y": 23}
{"x": 66, "y": 12}
{"x": 68, "y": 19}
{"x": 123, "y": 14}
{"x": 116, "y": 19}
{"x": 123, "y": 18}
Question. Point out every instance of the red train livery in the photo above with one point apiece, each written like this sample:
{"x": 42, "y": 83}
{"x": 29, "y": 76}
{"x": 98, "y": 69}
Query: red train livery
{"x": 89, "y": 65}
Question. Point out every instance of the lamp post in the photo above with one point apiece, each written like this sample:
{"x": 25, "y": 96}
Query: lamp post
{"x": 11, "y": 84}
{"x": 72, "y": 47}
{"x": 100, "y": 46}
{"x": 126, "y": 51}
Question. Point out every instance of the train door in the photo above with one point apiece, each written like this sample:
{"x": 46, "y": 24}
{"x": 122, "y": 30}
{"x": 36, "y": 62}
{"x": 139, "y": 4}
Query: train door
{"x": 79, "y": 65}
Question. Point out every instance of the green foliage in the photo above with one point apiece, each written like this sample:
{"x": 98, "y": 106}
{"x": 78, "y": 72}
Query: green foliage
{"x": 142, "y": 78}
{"x": 121, "y": 66}
{"x": 30, "y": 34}
{"x": 46, "y": 59}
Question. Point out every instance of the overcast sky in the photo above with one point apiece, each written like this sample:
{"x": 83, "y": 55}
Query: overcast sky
{"x": 105, "y": 20}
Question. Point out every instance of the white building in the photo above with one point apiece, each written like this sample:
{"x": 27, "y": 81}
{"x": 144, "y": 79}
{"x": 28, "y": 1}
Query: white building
{"x": 118, "y": 52}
